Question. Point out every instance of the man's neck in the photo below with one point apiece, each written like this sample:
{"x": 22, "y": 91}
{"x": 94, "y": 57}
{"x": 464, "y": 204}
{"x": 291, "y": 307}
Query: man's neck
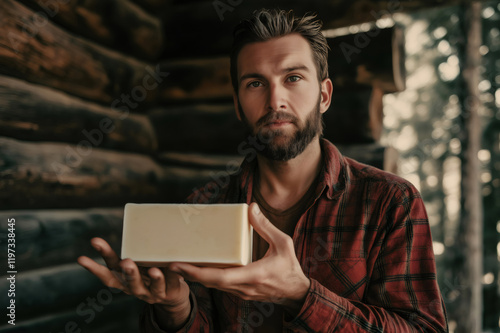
{"x": 282, "y": 184}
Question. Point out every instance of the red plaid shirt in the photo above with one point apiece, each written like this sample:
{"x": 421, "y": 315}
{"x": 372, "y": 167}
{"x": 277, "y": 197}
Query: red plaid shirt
{"x": 365, "y": 244}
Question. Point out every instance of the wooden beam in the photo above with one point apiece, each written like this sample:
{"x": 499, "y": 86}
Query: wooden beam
{"x": 54, "y": 237}
{"x": 372, "y": 58}
{"x": 118, "y": 24}
{"x": 36, "y": 113}
{"x": 49, "y": 175}
{"x": 34, "y": 49}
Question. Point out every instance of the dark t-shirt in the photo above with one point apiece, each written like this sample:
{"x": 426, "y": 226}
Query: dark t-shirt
{"x": 285, "y": 220}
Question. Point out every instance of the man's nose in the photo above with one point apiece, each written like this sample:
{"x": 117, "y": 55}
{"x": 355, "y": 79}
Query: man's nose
{"x": 276, "y": 98}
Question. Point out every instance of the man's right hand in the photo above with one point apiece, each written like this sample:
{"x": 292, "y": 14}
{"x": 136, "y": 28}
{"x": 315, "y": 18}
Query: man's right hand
{"x": 162, "y": 287}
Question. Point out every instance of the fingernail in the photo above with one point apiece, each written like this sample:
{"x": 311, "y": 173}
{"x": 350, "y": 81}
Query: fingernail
{"x": 256, "y": 209}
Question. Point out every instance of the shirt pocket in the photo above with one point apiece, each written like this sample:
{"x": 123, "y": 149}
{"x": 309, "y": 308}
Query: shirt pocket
{"x": 345, "y": 276}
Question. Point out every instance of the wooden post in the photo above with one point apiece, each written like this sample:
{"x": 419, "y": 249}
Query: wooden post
{"x": 470, "y": 239}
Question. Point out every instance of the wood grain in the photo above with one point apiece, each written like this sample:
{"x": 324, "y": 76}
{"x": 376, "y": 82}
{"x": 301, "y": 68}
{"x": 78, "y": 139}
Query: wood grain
{"x": 37, "y": 113}
{"x": 50, "y": 175}
{"x": 118, "y": 24}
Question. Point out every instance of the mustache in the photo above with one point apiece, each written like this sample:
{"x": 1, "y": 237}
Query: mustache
{"x": 276, "y": 116}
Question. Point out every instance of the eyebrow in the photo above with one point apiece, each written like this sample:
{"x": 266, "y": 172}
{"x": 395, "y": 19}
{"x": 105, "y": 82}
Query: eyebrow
{"x": 285, "y": 70}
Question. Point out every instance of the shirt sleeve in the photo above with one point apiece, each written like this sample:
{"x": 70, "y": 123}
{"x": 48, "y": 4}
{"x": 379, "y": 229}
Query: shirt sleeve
{"x": 402, "y": 293}
{"x": 200, "y": 318}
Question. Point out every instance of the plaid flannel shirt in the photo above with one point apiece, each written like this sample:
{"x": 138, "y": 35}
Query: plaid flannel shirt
{"x": 365, "y": 244}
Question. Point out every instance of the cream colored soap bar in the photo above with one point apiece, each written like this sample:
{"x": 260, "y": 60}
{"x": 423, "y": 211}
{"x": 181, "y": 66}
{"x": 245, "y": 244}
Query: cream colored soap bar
{"x": 205, "y": 235}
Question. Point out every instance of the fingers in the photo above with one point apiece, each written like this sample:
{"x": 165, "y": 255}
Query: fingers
{"x": 275, "y": 237}
{"x": 147, "y": 284}
{"x": 158, "y": 283}
{"x": 133, "y": 279}
{"x": 102, "y": 272}
{"x": 110, "y": 257}
{"x": 219, "y": 278}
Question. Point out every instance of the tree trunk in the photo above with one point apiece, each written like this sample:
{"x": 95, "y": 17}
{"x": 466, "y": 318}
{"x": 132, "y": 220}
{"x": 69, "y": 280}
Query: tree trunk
{"x": 470, "y": 240}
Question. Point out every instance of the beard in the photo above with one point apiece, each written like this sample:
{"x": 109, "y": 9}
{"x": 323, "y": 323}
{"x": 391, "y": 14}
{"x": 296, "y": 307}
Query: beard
{"x": 276, "y": 144}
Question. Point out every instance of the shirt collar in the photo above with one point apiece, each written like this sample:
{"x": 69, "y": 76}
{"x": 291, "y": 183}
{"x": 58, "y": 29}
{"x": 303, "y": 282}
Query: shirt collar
{"x": 333, "y": 176}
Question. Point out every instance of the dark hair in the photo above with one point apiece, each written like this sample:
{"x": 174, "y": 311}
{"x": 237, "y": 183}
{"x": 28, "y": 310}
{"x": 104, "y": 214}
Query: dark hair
{"x": 267, "y": 24}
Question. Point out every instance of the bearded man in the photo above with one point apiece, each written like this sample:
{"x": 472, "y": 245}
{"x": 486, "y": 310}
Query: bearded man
{"x": 338, "y": 245}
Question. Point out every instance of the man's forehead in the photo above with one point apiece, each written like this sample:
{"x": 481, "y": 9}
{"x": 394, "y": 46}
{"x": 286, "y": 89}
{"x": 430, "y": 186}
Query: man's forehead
{"x": 281, "y": 53}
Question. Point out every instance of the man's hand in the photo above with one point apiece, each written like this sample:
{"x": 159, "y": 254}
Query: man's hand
{"x": 276, "y": 278}
{"x": 162, "y": 287}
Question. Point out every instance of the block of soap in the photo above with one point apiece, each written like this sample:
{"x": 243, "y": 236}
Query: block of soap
{"x": 217, "y": 235}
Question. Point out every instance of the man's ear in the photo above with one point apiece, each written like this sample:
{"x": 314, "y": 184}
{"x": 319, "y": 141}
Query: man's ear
{"x": 326, "y": 94}
{"x": 236, "y": 107}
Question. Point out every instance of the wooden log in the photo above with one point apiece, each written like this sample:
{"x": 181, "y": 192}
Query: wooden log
{"x": 384, "y": 158}
{"x": 119, "y": 316}
{"x": 50, "y": 175}
{"x": 161, "y": 8}
{"x": 348, "y": 119}
{"x": 198, "y": 128}
{"x": 372, "y": 58}
{"x": 54, "y": 237}
{"x": 129, "y": 29}
{"x": 198, "y": 79}
{"x": 36, "y": 113}
{"x": 34, "y": 49}
{"x": 204, "y": 161}
{"x": 92, "y": 72}
{"x": 58, "y": 288}
{"x": 193, "y": 18}
{"x": 355, "y": 117}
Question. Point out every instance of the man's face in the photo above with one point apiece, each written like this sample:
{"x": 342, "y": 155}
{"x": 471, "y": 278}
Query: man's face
{"x": 280, "y": 98}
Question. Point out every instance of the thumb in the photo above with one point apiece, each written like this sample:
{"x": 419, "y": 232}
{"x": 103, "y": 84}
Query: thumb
{"x": 264, "y": 227}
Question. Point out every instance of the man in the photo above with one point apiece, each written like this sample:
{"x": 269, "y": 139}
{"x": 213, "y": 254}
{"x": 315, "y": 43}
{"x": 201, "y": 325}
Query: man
{"x": 339, "y": 246}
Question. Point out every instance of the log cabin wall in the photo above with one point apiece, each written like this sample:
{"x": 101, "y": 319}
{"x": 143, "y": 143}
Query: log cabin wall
{"x": 108, "y": 102}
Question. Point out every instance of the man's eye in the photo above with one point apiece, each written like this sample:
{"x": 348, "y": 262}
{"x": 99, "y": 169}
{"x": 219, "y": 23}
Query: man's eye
{"x": 294, "y": 78}
{"x": 254, "y": 84}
